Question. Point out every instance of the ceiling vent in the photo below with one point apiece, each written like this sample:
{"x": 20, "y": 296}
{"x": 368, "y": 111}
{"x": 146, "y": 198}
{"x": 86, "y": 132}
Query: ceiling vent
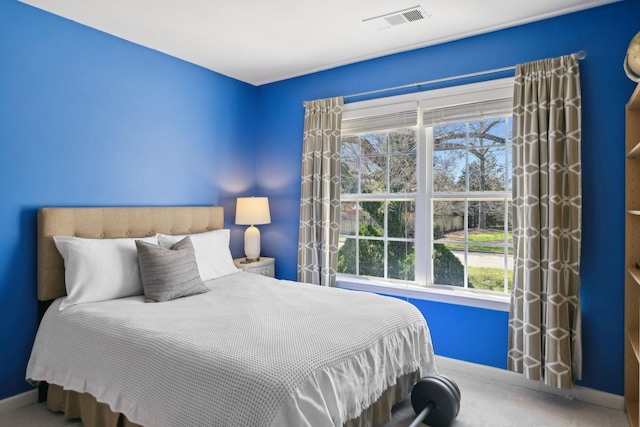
{"x": 396, "y": 18}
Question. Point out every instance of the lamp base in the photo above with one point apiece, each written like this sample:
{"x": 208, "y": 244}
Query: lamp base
{"x": 250, "y": 260}
{"x": 252, "y": 243}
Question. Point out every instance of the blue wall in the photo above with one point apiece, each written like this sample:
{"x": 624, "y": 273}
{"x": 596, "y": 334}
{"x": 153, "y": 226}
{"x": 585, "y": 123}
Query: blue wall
{"x": 89, "y": 119}
{"x": 466, "y": 333}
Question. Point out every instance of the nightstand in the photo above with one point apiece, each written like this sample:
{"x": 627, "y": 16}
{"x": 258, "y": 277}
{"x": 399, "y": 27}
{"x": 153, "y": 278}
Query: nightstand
{"x": 265, "y": 266}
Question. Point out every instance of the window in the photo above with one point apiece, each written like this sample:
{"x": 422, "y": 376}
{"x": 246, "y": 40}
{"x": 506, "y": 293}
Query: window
{"x": 426, "y": 188}
{"x": 377, "y": 210}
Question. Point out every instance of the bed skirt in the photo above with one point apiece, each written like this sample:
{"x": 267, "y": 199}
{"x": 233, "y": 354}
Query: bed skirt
{"x": 85, "y": 407}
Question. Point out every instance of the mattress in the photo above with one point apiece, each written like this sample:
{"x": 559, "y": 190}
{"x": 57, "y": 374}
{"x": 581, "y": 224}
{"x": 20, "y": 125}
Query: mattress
{"x": 252, "y": 351}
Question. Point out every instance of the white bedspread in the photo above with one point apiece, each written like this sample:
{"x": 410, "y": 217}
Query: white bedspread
{"x": 254, "y": 351}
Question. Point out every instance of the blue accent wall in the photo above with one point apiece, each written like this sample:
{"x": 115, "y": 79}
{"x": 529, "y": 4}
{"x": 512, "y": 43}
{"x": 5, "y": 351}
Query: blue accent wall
{"x": 466, "y": 333}
{"x": 87, "y": 119}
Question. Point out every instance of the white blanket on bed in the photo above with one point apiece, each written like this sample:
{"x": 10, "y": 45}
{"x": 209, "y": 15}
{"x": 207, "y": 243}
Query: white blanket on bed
{"x": 254, "y": 351}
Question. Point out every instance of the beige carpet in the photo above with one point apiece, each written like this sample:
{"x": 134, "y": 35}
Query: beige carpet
{"x": 495, "y": 404}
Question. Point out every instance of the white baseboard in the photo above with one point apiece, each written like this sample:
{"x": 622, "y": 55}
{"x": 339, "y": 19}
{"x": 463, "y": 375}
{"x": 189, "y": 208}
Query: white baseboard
{"x": 584, "y": 394}
{"x": 18, "y": 401}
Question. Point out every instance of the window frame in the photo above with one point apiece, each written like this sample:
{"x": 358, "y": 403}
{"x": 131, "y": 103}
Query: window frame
{"x": 385, "y": 198}
{"x": 468, "y": 196}
{"x": 424, "y": 197}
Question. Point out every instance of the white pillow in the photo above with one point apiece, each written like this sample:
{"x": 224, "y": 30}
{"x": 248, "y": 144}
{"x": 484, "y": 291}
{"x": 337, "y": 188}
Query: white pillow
{"x": 212, "y": 252}
{"x": 99, "y": 269}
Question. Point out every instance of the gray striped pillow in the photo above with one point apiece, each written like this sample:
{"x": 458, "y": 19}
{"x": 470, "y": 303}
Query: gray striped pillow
{"x": 169, "y": 273}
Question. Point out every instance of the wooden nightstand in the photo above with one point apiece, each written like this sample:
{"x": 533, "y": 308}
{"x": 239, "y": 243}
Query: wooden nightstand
{"x": 265, "y": 266}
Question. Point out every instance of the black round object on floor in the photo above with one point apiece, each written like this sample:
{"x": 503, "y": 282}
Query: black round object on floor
{"x": 436, "y": 400}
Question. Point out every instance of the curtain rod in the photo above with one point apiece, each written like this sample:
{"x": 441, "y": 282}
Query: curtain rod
{"x": 581, "y": 55}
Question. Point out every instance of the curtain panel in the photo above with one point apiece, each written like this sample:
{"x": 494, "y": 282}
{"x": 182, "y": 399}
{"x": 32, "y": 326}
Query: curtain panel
{"x": 544, "y": 321}
{"x": 320, "y": 192}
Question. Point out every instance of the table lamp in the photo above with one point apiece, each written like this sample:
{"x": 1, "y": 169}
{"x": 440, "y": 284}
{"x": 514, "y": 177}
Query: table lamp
{"x": 252, "y": 211}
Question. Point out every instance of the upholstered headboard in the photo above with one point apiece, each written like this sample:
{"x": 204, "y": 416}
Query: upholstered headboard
{"x": 111, "y": 223}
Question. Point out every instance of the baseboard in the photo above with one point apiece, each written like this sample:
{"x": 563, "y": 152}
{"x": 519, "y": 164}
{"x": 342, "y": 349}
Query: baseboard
{"x": 18, "y": 401}
{"x": 584, "y": 394}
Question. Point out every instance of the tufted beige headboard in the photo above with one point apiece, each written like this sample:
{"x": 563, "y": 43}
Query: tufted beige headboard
{"x": 111, "y": 223}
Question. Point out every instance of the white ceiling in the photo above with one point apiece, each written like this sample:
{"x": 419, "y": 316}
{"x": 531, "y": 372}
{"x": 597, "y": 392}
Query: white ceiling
{"x": 262, "y": 41}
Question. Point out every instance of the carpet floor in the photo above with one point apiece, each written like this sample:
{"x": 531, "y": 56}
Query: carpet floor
{"x": 491, "y": 403}
{"x": 484, "y": 403}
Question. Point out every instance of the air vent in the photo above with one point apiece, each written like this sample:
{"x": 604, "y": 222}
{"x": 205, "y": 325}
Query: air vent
{"x": 396, "y": 18}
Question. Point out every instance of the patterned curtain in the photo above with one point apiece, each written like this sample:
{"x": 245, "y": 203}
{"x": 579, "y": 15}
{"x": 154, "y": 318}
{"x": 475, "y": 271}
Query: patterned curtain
{"x": 320, "y": 193}
{"x": 544, "y": 322}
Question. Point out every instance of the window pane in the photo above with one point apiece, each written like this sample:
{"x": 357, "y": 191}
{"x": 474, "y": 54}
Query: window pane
{"x": 448, "y": 170}
{"x": 348, "y": 218}
{"x": 347, "y": 255}
{"x": 402, "y": 173}
{"x": 374, "y": 174}
{"x": 371, "y": 258}
{"x": 401, "y": 219}
{"x": 402, "y": 141}
{"x": 501, "y": 132}
{"x": 509, "y": 168}
{"x": 447, "y": 268}
{"x": 448, "y": 220}
{"x": 349, "y": 175}
{"x": 373, "y": 143}
{"x": 510, "y": 219}
{"x": 450, "y": 136}
{"x": 350, "y": 146}
{"x": 401, "y": 259}
{"x": 486, "y": 221}
{"x": 483, "y": 133}
{"x": 371, "y": 219}
{"x": 487, "y": 278}
{"x": 486, "y": 169}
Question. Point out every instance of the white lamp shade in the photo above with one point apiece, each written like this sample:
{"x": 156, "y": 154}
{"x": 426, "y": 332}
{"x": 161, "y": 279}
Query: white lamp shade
{"x": 252, "y": 211}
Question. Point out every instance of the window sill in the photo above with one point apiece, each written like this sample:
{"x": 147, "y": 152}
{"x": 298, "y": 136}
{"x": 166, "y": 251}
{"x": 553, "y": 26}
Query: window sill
{"x": 446, "y": 294}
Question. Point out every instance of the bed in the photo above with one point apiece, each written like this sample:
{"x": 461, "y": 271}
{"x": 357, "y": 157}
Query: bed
{"x": 248, "y": 350}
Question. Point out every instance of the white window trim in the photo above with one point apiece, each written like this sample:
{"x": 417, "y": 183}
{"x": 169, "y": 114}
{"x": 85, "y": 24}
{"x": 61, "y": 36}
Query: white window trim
{"x": 446, "y": 294}
{"x": 463, "y": 94}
